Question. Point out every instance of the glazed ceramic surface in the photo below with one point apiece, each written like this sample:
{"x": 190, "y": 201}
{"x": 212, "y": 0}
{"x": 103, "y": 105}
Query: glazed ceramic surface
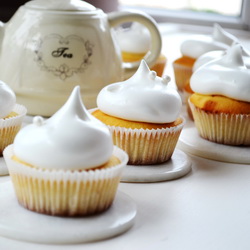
{"x": 48, "y": 47}
{"x": 178, "y": 166}
{"x": 191, "y": 142}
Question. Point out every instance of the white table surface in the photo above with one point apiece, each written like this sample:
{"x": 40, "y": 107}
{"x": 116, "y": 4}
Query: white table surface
{"x": 208, "y": 209}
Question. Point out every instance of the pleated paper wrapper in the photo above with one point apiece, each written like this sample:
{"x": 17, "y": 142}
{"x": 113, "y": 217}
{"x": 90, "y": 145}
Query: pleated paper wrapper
{"x": 222, "y": 128}
{"x": 65, "y": 193}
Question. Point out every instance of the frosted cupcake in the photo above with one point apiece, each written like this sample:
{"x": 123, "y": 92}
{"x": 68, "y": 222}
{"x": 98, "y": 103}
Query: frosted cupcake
{"x": 135, "y": 42}
{"x": 196, "y": 46}
{"x": 11, "y": 116}
{"x": 143, "y": 114}
{"x": 208, "y": 57}
{"x": 221, "y": 100}
{"x": 66, "y": 165}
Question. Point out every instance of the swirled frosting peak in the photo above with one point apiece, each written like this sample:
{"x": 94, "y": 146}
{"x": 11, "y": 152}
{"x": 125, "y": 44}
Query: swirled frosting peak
{"x": 220, "y": 35}
{"x": 216, "y": 54}
{"x": 7, "y": 99}
{"x": 198, "y": 45}
{"x": 144, "y": 97}
{"x": 227, "y": 76}
{"x": 71, "y": 139}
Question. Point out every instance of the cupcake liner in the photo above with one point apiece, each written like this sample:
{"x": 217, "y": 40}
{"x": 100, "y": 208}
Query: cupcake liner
{"x": 144, "y": 146}
{"x": 182, "y": 74}
{"x": 186, "y": 96}
{"x": 10, "y": 126}
{"x": 65, "y": 193}
{"x": 229, "y": 129}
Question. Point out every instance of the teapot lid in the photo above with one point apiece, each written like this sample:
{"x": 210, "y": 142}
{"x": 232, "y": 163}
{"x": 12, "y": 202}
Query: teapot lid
{"x": 61, "y": 5}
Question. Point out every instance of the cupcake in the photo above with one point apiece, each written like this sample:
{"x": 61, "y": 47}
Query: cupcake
{"x": 135, "y": 42}
{"x": 143, "y": 115}
{"x": 205, "y": 58}
{"x": 221, "y": 101}
{"x": 11, "y": 116}
{"x": 193, "y": 48}
{"x": 65, "y": 165}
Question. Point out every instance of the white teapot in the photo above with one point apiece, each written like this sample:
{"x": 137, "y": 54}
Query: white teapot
{"x": 49, "y": 46}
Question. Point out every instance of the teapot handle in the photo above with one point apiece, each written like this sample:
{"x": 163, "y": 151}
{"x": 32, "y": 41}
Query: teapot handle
{"x": 116, "y": 18}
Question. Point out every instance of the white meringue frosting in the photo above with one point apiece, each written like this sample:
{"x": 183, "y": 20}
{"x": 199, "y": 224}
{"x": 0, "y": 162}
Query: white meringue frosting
{"x": 207, "y": 57}
{"x": 216, "y": 54}
{"x": 69, "y": 140}
{"x": 135, "y": 39}
{"x": 220, "y": 35}
{"x": 7, "y": 100}
{"x": 227, "y": 76}
{"x": 144, "y": 97}
{"x": 200, "y": 44}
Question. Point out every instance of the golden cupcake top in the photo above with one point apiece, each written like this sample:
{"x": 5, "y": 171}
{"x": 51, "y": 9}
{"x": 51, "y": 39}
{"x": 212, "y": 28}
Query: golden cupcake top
{"x": 219, "y": 104}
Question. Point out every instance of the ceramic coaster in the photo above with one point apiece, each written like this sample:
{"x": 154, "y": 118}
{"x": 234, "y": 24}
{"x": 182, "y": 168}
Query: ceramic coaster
{"x": 19, "y": 223}
{"x": 3, "y": 167}
{"x": 178, "y": 166}
{"x": 191, "y": 142}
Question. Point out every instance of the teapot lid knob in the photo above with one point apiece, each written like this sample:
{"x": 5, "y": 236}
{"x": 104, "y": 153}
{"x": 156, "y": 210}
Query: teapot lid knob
{"x": 60, "y": 5}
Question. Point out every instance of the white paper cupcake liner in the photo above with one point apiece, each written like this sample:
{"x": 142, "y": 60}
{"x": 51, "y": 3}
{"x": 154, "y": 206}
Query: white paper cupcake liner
{"x": 229, "y": 129}
{"x": 145, "y": 146}
{"x": 65, "y": 193}
{"x": 182, "y": 74}
{"x": 10, "y": 126}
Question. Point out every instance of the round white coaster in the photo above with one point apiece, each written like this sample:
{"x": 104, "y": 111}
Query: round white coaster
{"x": 19, "y": 223}
{"x": 178, "y": 166}
{"x": 3, "y": 167}
{"x": 191, "y": 142}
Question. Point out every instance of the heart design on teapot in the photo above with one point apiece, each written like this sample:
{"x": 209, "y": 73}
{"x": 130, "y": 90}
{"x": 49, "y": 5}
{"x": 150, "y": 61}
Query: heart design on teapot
{"x": 63, "y": 56}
